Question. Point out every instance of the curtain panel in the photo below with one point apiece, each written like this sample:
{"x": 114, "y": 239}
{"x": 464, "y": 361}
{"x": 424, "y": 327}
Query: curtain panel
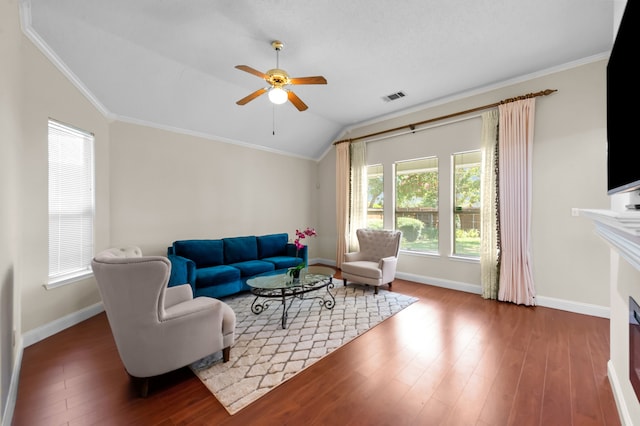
{"x": 358, "y": 215}
{"x": 342, "y": 201}
{"x": 489, "y": 231}
{"x": 515, "y": 136}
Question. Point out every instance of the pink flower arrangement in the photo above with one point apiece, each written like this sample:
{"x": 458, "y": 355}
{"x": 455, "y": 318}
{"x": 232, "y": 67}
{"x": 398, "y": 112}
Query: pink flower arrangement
{"x": 301, "y": 235}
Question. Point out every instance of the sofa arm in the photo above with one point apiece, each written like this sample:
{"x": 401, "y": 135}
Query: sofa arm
{"x": 183, "y": 271}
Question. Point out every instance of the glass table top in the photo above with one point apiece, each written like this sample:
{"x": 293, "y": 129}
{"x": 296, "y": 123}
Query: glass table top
{"x": 308, "y": 277}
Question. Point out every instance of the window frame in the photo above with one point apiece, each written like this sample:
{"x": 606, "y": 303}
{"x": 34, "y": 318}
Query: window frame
{"x": 82, "y": 205}
{"x": 397, "y": 171}
{"x": 455, "y": 209}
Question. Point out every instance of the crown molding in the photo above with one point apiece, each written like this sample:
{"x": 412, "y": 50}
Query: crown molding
{"x": 32, "y": 35}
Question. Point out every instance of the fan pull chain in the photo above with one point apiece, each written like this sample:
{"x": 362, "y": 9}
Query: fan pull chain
{"x": 273, "y": 122}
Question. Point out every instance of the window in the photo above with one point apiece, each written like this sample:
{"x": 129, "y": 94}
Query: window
{"x": 466, "y": 209}
{"x": 71, "y": 206}
{"x": 417, "y": 204}
{"x": 375, "y": 197}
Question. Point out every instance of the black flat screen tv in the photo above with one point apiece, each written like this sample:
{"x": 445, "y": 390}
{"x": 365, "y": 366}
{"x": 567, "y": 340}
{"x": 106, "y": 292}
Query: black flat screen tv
{"x": 623, "y": 89}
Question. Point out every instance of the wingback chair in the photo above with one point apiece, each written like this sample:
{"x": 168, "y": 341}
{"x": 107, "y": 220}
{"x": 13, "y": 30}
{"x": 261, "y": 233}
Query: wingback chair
{"x": 156, "y": 328}
{"x": 375, "y": 263}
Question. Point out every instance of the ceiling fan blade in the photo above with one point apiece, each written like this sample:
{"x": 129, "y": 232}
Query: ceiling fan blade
{"x": 295, "y": 100}
{"x": 251, "y": 97}
{"x": 253, "y": 71}
{"x": 308, "y": 80}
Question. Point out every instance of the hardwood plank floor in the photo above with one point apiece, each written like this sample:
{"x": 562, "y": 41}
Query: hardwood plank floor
{"x": 452, "y": 358}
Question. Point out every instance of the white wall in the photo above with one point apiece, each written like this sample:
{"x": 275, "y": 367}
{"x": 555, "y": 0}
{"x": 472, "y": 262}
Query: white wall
{"x": 569, "y": 170}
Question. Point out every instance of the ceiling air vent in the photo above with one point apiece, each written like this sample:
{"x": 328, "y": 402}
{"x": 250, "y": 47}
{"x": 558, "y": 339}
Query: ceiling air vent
{"x": 393, "y": 96}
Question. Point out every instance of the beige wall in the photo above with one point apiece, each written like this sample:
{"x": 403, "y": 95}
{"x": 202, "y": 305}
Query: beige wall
{"x": 10, "y": 108}
{"x": 569, "y": 170}
{"x": 152, "y": 187}
{"x": 48, "y": 94}
{"x": 167, "y": 186}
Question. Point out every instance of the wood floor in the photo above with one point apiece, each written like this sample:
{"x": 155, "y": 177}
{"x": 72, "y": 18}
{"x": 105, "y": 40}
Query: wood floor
{"x": 452, "y": 358}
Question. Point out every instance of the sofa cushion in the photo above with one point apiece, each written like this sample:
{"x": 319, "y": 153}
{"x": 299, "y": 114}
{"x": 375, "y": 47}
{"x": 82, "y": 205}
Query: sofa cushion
{"x": 240, "y": 249}
{"x": 281, "y": 262}
{"x": 216, "y": 275}
{"x": 221, "y": 290}
{"x": 253, "y": 267}
{"x": 203, "y": 252}
{"x": 272, "y": 245}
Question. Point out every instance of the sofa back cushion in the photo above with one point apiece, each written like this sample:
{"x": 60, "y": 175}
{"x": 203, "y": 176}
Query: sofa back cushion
{"x": 203, "y": 252}
{"x": 240, "y": 249}
{"x": 272, "y": 245}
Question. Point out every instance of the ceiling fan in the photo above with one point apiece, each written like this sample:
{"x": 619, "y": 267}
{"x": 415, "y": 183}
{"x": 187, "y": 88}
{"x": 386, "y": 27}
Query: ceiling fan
{"x": 278, "y": 79}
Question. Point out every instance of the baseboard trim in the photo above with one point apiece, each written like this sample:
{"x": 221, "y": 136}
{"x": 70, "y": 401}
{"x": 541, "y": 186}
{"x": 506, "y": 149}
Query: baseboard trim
{"x": 47, "y": 330}
{"x": 12, "y": 396}
{"x": 576, "y": 307}
{"x": 547, "y": 302}
{"x": 623, "y": 410}
{"x": 440, "y": 282}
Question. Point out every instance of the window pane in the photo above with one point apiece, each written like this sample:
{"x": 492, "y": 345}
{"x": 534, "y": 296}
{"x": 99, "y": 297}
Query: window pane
{"x": 466, "y": 213}
{"x": 375, "y": 197}
{"x": 71, "y": 198}
{"x": 417, "y": 204}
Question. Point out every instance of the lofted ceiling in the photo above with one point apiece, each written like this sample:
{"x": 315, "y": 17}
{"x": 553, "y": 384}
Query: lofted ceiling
{"x": 171, "y": 63}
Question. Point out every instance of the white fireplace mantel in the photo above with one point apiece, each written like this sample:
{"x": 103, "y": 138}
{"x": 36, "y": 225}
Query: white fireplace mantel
{"x": 620, "y": 229}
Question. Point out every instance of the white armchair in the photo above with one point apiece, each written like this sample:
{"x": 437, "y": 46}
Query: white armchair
{"x": 156, "y": 328}
{"x": 375, "y": 264}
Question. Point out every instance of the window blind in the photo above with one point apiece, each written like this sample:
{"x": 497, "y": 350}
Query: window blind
{"x": 71, "y": 202}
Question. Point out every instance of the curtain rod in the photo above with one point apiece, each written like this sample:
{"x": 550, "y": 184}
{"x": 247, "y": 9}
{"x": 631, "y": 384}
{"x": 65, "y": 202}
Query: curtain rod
{"x": 455, "y": 114}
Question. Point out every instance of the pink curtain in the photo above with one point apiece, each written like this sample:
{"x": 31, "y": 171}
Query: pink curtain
{"x": 515, "y": 161}
{"x": 342, "y": 200}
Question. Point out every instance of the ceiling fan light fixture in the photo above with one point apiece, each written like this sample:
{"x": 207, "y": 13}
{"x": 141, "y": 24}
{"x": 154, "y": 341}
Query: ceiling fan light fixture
{"x": 278, "y": 95}
{"x": 278, "y": 79}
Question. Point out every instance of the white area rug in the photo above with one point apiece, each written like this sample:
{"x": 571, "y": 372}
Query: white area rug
{"x": 265, "y": 355}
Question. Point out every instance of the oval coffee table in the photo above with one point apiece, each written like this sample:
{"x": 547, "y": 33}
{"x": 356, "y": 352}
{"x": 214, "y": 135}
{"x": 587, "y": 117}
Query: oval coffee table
{"x": 284, "y": 287}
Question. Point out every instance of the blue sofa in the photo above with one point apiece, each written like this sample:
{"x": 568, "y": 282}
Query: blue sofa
{"x": 218, "y": 268}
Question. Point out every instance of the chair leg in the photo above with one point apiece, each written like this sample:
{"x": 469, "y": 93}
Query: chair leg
{"x": 226, "y": 353}
{"x": 144, "y": 387}
{"x": 345, "y": 282}
{"x": 390, "y": 285}
{"x": 141, "y": 384}
{"x": 375, "y": 289}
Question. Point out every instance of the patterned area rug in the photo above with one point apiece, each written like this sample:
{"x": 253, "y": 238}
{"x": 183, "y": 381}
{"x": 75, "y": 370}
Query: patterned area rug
{"x": 266, "y": 355}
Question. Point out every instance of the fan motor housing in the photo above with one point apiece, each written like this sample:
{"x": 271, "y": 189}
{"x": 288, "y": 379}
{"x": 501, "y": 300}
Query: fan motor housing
{"x": 278, "y": 77}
